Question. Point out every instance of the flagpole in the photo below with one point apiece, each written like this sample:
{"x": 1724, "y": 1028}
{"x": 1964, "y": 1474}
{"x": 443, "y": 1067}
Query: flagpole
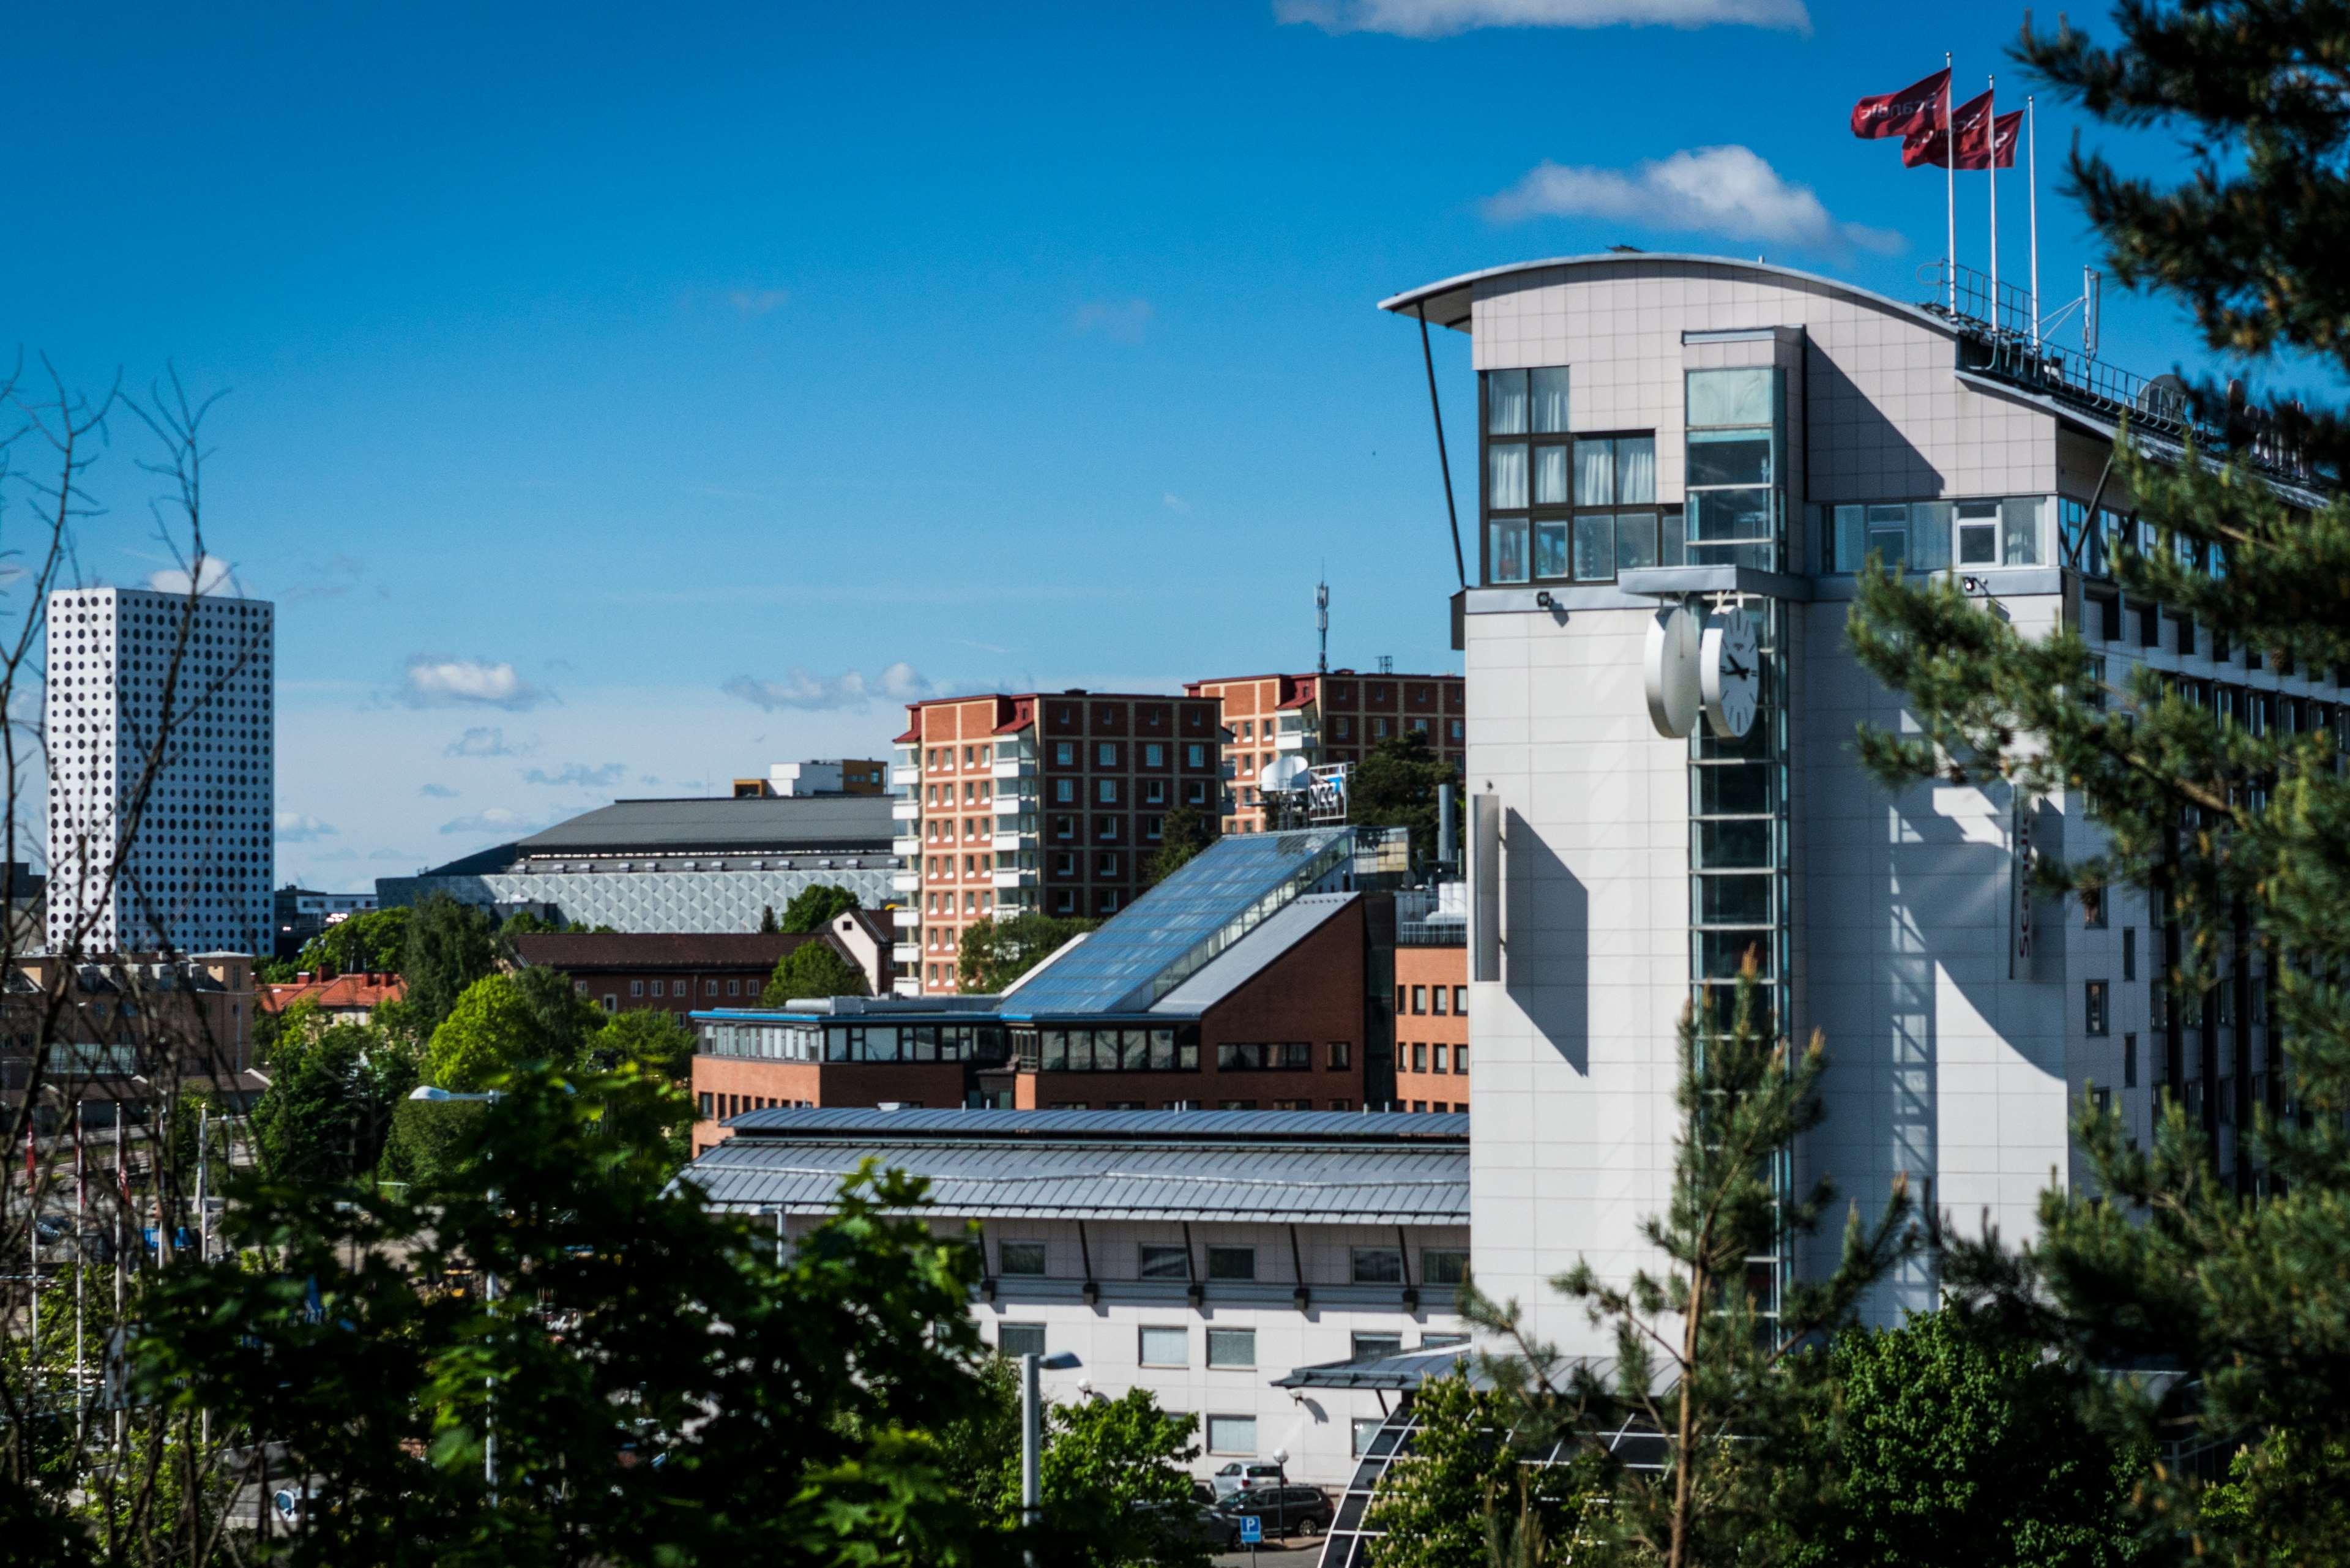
{"x": 1990, "y": 139}
{"x": 2031, "y": 202}
{"x": 1951, "y": 180}
{"x": 81, "y": 1281}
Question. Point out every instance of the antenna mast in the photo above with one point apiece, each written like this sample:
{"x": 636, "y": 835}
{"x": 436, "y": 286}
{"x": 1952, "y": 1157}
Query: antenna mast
{"x": 1322, "y": 625}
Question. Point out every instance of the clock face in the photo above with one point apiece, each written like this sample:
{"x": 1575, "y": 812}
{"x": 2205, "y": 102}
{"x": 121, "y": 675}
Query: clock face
{"x": 1731, "y": 668}
{"x": 1672, "y": 671}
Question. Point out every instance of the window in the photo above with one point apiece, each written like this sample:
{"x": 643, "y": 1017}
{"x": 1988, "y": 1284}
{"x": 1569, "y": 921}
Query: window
{"x": 1154, "y": 792}
{"x": 1731, "y": 478}
{"x": 1105, "y": 791}
{"x": 1064, "y": 792}
{"x": 2129, "y": 952}
{"x": 1195, "y": 756}
{"x": 1232, "y": 1348}
{"x": 1064, "y": 754}
{"x": 1020, "y": 1339}
{"x": 1366, "y": 1428}
{"x": 1232, "y": 1435}
{"x": 1439, "y": 1340}
{"x": 1104, "y": 754}
{"x": 1020, "y": 1257}
{"x": 1460, "y": 1003}
{"x": 1437, "y": 997}
{"x": 1419, "y": 1057}
{"x": 1443, "y": 1266}
{"x": 1366, "y": 1345}
{"x": 1166, "y": 1347}
{"x": 733, "y": 988}
{"x": 2094, "y": 998}
{"x": 1439, "y": 1053}
{"x": 1461, "y": 1057}
{"x": 1342, "y": 1054}
{"x": 2093, "y": 909}
{"x": 1231, "y": 1262}
{"x": 1919, "y": 533}
{"x": 705, "y": 1105}
{"x": 2129, "y": 1061}
{"x": 708, "y": 988}
{"x": 611, "y": 1003}
{"x": 1419, "y": 999}
{"x": 1164, "y": 1263}
{"x": 636, "y": 988}
{"x": 1377, "y": 1266}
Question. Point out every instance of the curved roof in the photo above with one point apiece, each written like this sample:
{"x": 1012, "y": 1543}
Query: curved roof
{"x": 1446, "y": 301}
{"x": 848, "y": 823}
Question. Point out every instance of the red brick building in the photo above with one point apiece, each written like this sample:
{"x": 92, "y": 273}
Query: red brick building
{"x": 1432, "y": 1027}
{"x": 343, "y": 998}
{"x": 1332, "y": 718}
{"x": 1051, "y": 801}
{"x": 677, "y": 973}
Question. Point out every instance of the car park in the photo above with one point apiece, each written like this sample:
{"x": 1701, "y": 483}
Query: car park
{"x": 1283, "y": 1509}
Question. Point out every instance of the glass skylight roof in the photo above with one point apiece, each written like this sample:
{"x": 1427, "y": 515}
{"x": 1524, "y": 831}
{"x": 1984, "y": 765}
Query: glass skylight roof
{"x": 1168, "y": 934}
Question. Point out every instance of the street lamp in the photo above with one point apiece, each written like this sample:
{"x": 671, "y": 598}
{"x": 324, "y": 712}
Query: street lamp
{"x": 1032, "y": 1433}
{"x": 1281, "y": 1491}
{"x": 432, "y": 1094}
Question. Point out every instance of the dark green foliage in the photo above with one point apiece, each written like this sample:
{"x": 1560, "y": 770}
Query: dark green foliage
{"x": 450, "y": 945}
{"x": 996, "y": 952}
{"x": 661, "y": 1393}
{"x": 813, "y": 969}
{"x": 327, "y": 1111}
{"x": 376, "y": 939}
{"x": 657, "y": 1041}
{"x": 767, "y": 924}
{"x": 1722, "y": 1383}
{"x": 1185, "y": 831}
{"x": 1465, "y": 1479}
{"x": 1958, "y": 1445}
{"x": 2162, "y": 1257}
{"x": 1112, "y": 1474}
{"x": 504, "y": 1019}
{"x": 530, "y": 923}
{"x": 1395, "y": 786}
{"x": 813, "y": 906}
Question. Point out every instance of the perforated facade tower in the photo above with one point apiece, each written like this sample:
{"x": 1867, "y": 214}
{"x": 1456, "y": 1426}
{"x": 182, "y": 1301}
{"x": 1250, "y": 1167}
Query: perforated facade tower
{"x": 159, "y": 720}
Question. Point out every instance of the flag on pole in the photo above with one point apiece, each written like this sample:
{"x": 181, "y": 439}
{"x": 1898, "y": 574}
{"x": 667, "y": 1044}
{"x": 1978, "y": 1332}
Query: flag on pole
{"x": 1916, "y": 107}
{"x": 1982, "y": 139}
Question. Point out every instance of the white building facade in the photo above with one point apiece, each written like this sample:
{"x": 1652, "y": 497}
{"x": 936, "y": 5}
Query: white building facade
{"x": 159, "y": 722}
{"x": 1659, "y": 431}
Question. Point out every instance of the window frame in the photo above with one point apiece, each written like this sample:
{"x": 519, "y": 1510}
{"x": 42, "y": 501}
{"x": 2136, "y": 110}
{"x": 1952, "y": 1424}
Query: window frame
{"x": 1142, "y": 1337}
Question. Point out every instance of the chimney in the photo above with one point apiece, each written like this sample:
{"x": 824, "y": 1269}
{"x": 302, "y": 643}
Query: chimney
{"x": 302, "y": 977}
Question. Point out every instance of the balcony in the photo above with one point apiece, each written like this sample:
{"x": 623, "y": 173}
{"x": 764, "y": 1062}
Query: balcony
{"x": 906, "y": 809}
{"x": 1013, "y": 833}
{"x": 905, "y": 848}
{"x": 905, "y": 775}
{"x": 906, "y": 955}
{"x": 906, "y": 882}
{"x": 1308, "y": 742}
{"x": 1015, "y": 876}
{"x": 906, "y": 918}
{"x": 1015, "y": 767}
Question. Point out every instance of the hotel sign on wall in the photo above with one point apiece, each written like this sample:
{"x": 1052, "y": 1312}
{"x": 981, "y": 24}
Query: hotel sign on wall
{"x": 2024, "y": 863}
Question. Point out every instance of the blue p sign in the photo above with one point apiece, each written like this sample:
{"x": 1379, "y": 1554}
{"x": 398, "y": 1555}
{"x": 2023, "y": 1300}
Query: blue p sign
{"x": 1251, "y": 1530}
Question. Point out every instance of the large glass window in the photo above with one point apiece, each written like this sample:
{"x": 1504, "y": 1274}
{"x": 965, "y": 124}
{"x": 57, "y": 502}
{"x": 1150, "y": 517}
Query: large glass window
{"x": 1733, "y": 488}
{"x": 1232, "y": 1348}
{"x": 1928, "y": 535}
{"x": 1166, "y": 1347}
{"x": 1560, "y": 508}
{"x": 1232, "y": 1435}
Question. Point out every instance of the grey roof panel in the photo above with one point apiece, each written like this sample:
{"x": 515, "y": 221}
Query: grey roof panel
{"x": 1254, "y": 953}
{"x": 797, "y": 824}
{"x": 1365, "y": 1128}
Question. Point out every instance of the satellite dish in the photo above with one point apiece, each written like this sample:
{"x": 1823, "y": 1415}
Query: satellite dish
{"x": 2165, "y": 397}
{"x": 1283, "y": 775}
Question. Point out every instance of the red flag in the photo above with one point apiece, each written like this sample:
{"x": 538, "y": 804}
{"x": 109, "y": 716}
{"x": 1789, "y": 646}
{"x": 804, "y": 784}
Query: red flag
{"x": 1982, "y": 139}
{"x": 1913, "y": 108}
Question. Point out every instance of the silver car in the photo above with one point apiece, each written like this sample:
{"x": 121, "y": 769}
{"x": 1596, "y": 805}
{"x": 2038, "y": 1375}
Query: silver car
{"x": 1244, "y": 1476}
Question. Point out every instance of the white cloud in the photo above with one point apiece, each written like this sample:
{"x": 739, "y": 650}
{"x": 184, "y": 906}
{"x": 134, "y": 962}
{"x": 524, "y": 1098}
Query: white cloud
{"x": 497, "y": 819}
{"x": 213, "y": 575}
{"x": 757, "y": 301}
{"x": 1728, "y": 191}
{"x": 900, "y": 682}
{"x": 578, "y": 774}
{"x": 1120, "y": 320}
{"x": 1442, "y": 18}
{"x": 486, "y": 741}
{"x": 434, "y": 681}
{"x": 301, "y": 827}
{"x": 437, "y": 791}
{"x": 1174, "y": 503}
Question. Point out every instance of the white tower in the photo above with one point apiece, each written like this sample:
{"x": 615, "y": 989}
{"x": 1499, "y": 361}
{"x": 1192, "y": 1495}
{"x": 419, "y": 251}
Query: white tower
{"x": 160, "y": 720}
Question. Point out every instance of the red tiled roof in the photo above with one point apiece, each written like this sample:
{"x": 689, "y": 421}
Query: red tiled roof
{"x": 339, "y": 992}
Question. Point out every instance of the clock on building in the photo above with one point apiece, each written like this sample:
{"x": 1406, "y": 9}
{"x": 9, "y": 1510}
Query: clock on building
{"x": 1730, "y": 670}
{"x": 1671, "y": 671}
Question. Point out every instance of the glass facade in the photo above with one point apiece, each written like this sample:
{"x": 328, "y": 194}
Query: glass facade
{"x": 1928, "y": 535}
{"x": 1561, "y": 508}
{"x": 1735, "y": 488}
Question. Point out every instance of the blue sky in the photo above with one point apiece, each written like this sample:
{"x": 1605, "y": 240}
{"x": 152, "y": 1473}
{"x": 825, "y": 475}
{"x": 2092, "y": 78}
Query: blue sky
{"x": 623, "y": 398}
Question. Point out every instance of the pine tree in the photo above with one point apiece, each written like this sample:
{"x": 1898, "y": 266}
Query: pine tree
{"x": 1702, "y": 1360}
{"x": 2239, "y": 1275}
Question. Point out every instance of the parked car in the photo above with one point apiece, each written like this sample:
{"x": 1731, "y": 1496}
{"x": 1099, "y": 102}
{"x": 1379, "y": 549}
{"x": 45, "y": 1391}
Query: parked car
{"x": 1286, "y": 1510}
{"x": 1244, "y": 1475}
{"x": 1190, "y": 1521}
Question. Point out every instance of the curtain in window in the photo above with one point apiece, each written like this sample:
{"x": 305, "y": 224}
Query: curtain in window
{"x": 1595, "y": 474}
{"x": 1505, "y": 481}
{"x": 1505, "y": 402}
{"x": 1550, "y": 476}
{"x": 1550, "y": 400}
{"x": 1550, "y": 550}
{"x": 1636, "y": 470}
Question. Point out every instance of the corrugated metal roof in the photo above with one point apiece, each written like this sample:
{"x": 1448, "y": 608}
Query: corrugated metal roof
{"x": 853, "y": 824}
{"x": 1296, "y": 1186}
{"x": 1405, "y": 1369}
{"x": 1121, "y": 1126}
{"x": 1254, "y": 953}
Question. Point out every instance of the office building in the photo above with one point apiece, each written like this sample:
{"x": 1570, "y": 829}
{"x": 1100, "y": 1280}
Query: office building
{"x": 677, "y": 972}
{"x": 834, "y": 776}
{"x": 1205, "y": 1256}
{"x": 301, "y": 913}
{"x": 1663, "y": 435}
{"x": 705, "y": 864}
{"x": 1055, "y": 802}
{"x": 1337, "y": 717}
{"x": 159, "y": 718}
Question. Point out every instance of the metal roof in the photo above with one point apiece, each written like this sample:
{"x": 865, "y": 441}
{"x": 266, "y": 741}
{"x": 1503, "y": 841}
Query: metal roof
{"x": 856, "y": 824}
{"x": 1254, "y": 953}
{"x": 1235, "y": 1166}
{"x": 1446, "y": 301}
{"x": 1408, "y": 1369}
{"x": 1176, "y": 929}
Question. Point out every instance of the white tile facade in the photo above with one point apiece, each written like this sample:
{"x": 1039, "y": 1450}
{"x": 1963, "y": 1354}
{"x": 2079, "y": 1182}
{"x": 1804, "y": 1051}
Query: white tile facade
{"x": 195, "y": 866}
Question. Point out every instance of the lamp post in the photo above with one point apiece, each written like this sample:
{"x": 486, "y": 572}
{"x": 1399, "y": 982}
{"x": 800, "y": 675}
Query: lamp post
{"x": 1032, "y": 1434}
{"x": 1281, "y": 1491}
{"x": 434, "y": 1094}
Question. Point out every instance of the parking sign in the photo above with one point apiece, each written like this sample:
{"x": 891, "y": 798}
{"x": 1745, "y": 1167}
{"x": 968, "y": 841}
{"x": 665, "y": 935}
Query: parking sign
{"x": 1251, "y": 1530}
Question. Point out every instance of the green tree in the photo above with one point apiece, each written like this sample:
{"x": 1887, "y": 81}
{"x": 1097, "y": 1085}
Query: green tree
{"x": 504, "y": 1019}
{"x": 815, "y": 967}
{"x": 1112, "y": 1476}
{"x": 996, "y": 952}
{"x": 296, "y": 1024}
{"x": 1958, "y": 1443}
{"x": 374, "y": 939}
{"x": 659, "y": 1042}
{"x": 813, "y": 908}
{"x": 1395, "y": 786}
{"x": 1465, "y": 1478}
{"x": 1698, "y": 1359}
{"x": 1185, "y": 832}
{"x": 767, "y": 924}
{"x": 450, "y": 945}
{"x": 2241, "y": 839}
{"x": 660, "y": 1390}
{"x": 327, "y": 1114}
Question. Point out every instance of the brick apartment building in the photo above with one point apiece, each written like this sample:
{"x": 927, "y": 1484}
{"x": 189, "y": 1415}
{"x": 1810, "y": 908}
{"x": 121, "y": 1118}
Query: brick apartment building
{"x": 1332, "y": 718}
{"x": 1431, "y": 1026}
{"x": 1050, "y": 802}
{"x": 622, "y": 971}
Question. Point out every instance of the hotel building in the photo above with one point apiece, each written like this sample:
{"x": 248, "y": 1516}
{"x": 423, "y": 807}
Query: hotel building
{"x": 1731, "y": 441}
{"x": 1333, "y": 717}
{"x": 1007, "y": 804}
